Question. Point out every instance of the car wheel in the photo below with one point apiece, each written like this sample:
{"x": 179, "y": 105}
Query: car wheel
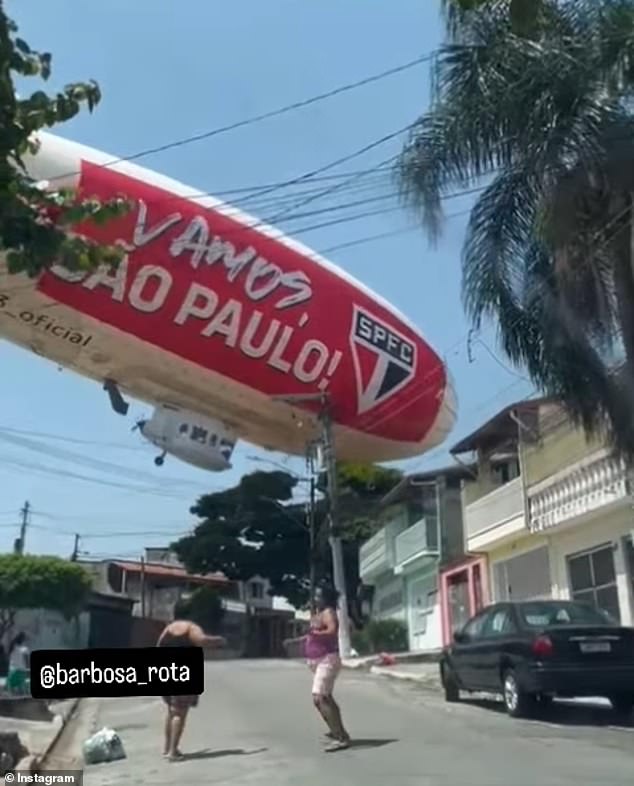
{"x": 622, "y": 703}
{"x": 518, "y": 703}
{"x": 449, "y": 683}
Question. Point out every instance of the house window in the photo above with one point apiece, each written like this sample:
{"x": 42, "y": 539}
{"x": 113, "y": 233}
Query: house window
{"x": 506, "y": 471}
{"x": 593, "y": 579}
{"x": 256, "y": 590}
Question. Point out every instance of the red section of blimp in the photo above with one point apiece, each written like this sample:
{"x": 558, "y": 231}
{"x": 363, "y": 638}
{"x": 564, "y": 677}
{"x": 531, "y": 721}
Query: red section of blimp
{"x": 202, "y": 285}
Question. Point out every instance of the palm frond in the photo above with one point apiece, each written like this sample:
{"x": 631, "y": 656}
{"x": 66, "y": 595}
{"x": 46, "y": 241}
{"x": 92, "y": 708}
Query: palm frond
{"x": 498, "y": 235}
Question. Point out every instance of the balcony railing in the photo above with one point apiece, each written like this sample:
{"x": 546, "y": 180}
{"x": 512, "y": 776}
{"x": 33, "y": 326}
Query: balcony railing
{"x": 375, "y": 555}
{"x": 413, "y": 543}
{"x": 495, "y": 508}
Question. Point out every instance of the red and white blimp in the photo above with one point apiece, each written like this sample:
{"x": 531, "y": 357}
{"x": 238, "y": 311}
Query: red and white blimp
{"x": 224, "y": 324}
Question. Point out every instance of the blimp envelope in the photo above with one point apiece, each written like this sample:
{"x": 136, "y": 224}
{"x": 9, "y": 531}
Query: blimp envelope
{"x": 214, "y": 311}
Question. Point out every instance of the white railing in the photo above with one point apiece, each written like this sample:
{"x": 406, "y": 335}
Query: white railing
{"x": 587, "y": 488}
{"x": 412, "y": 543}
{"x": 495, "y": 508}
{"x": 374, "y": 555}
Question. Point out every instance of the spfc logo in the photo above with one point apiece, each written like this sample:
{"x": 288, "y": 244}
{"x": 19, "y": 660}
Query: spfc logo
{"x": 384, "y": 359}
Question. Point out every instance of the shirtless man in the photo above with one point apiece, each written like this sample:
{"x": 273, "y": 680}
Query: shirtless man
{"x": 181, "y": 633}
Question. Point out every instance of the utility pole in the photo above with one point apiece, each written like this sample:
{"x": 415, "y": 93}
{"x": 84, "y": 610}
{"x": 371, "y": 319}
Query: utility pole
{"x": 328, "y": 448}
{"x": 339, "y": 575}
{"x": 143, "y": 586}
{"x": 18, "y": 545}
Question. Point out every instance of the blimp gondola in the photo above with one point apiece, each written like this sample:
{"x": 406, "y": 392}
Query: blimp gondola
{"x": 228, "y": 327}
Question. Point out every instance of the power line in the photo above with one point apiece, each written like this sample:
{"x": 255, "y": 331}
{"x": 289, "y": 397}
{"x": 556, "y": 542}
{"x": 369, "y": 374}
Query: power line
{"x": 86, "y": 461}
{"x": 269, "y": 114}
{"x": 73, "y": 440}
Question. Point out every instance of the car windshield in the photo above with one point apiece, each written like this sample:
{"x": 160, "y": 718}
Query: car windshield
{"x": 542, "y": 613}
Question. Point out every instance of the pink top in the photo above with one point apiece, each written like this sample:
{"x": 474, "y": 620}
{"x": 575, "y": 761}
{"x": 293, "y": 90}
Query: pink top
{"x": 317, "y": 647}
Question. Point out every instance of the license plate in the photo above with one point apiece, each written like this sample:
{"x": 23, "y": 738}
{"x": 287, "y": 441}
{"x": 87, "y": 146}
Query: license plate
{"x": 595, "y": 646}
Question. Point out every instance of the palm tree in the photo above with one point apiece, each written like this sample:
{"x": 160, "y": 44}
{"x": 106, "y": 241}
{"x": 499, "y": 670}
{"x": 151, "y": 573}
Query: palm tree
{"x": 543, "y": 121}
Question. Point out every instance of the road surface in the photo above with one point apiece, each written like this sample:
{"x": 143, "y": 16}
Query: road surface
{"x": 255, "y": 725}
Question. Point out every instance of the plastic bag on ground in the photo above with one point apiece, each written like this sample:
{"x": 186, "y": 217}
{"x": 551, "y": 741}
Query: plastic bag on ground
{"x": 105, "y": 745}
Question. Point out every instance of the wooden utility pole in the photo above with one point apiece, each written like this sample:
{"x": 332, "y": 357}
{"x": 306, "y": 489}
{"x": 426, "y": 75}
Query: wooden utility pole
{"x": 18, "y": 546}
{"x": 328, "y": 449}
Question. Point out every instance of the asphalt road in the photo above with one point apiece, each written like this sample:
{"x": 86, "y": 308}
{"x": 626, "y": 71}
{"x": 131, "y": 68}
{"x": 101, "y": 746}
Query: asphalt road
{"x": 255, "y": 725}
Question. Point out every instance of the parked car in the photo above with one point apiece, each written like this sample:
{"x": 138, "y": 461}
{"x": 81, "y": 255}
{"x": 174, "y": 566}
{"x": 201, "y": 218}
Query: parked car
{"x": 533, "y": 651}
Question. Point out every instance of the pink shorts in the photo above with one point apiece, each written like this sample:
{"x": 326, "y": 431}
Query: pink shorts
{"x": 326, "y": 671}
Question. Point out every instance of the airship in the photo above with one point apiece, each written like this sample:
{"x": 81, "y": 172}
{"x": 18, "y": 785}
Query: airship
{"x": 230, "y": 329}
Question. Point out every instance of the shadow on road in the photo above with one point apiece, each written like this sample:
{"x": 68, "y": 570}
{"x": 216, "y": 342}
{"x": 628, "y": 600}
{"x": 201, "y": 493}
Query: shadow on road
{"x": 565, "y": 714}
{"x": 208, "y": 753}
{"x": 371, "y": 743}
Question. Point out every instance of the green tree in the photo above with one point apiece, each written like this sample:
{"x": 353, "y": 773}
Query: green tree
{"x": 544, "y": 123}
{"x": 204, "y": 607}
{"x": 35, "y": 218}
{"x": 256, "y": 529}
{"x": 35, "y": 582}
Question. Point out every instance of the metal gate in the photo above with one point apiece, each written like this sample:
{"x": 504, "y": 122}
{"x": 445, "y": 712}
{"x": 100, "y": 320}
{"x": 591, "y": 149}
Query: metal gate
{"x": 525, "y": 577}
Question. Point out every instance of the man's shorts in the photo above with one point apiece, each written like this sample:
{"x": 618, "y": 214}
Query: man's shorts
{"x": 180, "y": 703}
{"x": 325, "y": 670}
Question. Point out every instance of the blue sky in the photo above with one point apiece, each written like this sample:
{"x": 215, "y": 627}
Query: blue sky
{"x": 183, "y": 70}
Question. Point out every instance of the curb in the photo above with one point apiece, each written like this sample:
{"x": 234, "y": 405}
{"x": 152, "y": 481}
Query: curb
{"x": 425, "y": 681}
{"x": 374, "y": 661}
{"x": 33, "y": 762}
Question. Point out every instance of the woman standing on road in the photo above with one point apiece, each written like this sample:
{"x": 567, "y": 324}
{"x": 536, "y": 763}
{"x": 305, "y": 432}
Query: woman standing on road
{"x": 181, "y": 633}
{"x": 322, "y": 652}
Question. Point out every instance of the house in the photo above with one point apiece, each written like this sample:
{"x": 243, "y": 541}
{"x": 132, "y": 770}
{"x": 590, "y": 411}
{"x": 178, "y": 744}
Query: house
{"x": 155, "y": 587}
{"x": 254, "y": 593}
{"x": 579, "y": 510}
{"x": 254, "y": 623}
{"x": 422, "y": 531}
{"x": 495, "y": 531}
{"x": 549, "y": 513}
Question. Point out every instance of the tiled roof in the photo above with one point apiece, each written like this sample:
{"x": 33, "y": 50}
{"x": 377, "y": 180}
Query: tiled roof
{"x": 171, "y": 571}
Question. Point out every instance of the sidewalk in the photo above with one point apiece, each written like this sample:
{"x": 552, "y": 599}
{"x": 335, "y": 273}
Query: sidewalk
{"x": 38, "y": 736}
{"x": 425, "y": 675}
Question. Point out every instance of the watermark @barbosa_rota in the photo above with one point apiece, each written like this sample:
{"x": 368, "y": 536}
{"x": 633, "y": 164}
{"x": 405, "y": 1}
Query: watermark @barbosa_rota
{"x": 141, "y": 671}
{"x": 49, "y": 778}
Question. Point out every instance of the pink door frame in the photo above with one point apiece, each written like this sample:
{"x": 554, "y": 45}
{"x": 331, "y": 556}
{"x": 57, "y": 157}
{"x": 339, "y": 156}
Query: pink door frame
{"x": 468, "y": 566}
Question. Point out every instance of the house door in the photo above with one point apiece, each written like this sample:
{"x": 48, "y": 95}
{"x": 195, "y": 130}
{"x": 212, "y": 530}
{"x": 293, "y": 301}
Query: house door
{"x": 459, "y": 608}
{"x": 422, "y": 600}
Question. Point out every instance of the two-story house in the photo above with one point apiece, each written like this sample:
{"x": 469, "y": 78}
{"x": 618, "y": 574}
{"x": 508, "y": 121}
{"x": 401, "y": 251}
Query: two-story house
{"x": 550, "y": 510}
{"x": 579, "y": 504}
{"x": 422, "y": 530}
{"x": 494, "y": 504}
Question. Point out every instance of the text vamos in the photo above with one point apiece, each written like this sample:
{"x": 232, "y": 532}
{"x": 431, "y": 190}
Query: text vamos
{"x": 260, "y": 278}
